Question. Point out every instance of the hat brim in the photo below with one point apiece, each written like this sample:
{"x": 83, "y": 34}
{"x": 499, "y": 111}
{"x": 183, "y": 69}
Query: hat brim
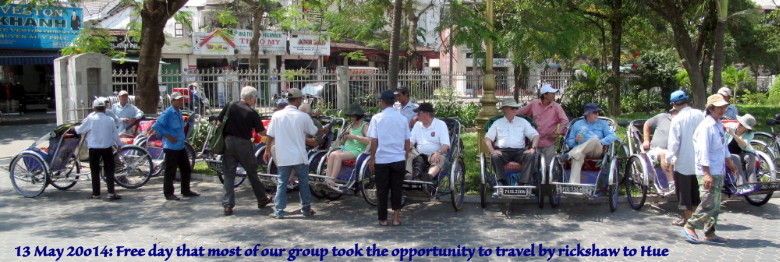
{"x": 591, "y": 111}
{"x": 742, "y": 122}
{"x": 720, "y": 103}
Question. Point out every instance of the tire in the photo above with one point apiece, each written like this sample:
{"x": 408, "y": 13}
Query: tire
{"x": 556, "y": 175}
{"x": 368, "y": 184}
{"x": 29, "y": 174}
{"x": 137, "y": 167}
{"x": 159, "y": 162}
{"x": 237, "y": 181}
{"x": 636, "y": 191}
{"x": 764, "y": 173}
{"x": 55, "y": 178}
{"x": 539, "y": 177}
{"x": 483, "y": 180}
{"x": 458, "y": 184}
{"x": 191, "y": 155}
{"x": 613, "y": 196}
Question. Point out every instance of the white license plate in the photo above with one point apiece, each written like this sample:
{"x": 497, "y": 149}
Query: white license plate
{"x": 573, "y": 189}
{"x": 515, "y": 191}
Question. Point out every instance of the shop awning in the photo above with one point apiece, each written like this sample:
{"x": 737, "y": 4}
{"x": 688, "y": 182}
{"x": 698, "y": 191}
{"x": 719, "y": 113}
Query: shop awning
{"x": 27, "y": 58}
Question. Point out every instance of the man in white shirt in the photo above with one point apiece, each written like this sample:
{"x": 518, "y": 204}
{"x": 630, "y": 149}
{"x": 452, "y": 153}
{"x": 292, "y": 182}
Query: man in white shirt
{"x": 712, "y": 155}
{"x": 505, "y": 140}
{"x": 431, "y": 139}
{"x": 287, "y": 135}
{"x": 389, "y": 133}
{"x": 102, "y": 137}
{"x": 125, "y": 112}
{"x": 680, "y": 151}
{"x": 405, "y": 106}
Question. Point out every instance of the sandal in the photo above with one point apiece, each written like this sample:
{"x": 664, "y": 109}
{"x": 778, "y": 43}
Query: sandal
{"x": 383, "y": 223}
{"x": 114, "y": 197}
{"x": 719, "y": 240}
{"x": 679, "y": 222}
{"x": 93, "y": 197}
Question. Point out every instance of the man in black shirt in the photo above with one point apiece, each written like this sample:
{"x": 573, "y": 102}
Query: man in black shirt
{"x": 238, "y": 148}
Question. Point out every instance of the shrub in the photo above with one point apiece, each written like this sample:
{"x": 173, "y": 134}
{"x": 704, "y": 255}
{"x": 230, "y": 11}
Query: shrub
{"x": 774, "y": 92}
{"x": 589, "y": 87}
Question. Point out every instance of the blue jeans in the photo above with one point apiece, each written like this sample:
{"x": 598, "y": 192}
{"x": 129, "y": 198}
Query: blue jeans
{"x": 280, "y": 201}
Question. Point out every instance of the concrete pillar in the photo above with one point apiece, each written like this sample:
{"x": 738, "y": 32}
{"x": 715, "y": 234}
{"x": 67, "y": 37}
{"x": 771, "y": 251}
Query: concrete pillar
{"x": 78, "y": 80}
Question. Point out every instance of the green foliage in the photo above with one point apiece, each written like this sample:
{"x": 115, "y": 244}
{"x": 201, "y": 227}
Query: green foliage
{"x": 740, "y": 80}
{"x": 774, "y": 93}
{"x": 645, "y": 101}
{"x": 356, "y": 55}
{"x": 590, "y": 87}
{"x": 656, "y": 69}
{"x": 750, "y": 98}
{"x": 468, "y": 26}
{"x": 682, "y": 78}
{"x": 448, "y": 105}
{"x": 761, "y": 113}
{"x": 92, "y": 40}
{"x": 470, "y": 154}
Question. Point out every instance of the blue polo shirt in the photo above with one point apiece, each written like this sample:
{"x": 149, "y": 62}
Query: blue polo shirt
{"x": 171, "y": 123}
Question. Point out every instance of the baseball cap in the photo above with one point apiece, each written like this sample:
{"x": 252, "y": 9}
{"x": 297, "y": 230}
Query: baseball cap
{"x": 281, "y": 102}
{"x": 678, "y": 96}
{"x": 176, "y": 95}
{"x": 294, "y": 93}
{"x": 425, "y": 107}
{"x": 547, "y": 88}
{"x": 122, "y": 93}
{"x": 725, "y": 91}
{"x": 388, "y": 96}
{"x": 99, "y": 103}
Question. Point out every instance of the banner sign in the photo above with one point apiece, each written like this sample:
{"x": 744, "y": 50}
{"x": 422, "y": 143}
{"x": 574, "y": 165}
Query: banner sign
{"x": 38, "y": 27}
{"x": 270, "y": 42}
{"x": 309, "y": 45}
{"x": 214, "y": 43}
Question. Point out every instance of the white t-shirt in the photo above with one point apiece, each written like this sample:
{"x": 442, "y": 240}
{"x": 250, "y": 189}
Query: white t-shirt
{"x": 510, "y": 135}
{"x": 391, "y": 130}
{"x": 289, "y": 128}
{"x": 429, "y": 139}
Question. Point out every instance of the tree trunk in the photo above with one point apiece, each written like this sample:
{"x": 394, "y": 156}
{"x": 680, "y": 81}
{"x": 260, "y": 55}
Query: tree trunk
{"x": 521, "y": 70}
{"x": 690, "y": 60}
{"x": 616, "y": 30}
{"x": 154, "y": 15}
{"x": 395, "y": 40}
{"x": 254, "y": 47}
{"x": 720, "y": 31}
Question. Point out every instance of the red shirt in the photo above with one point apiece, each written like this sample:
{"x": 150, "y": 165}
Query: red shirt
{"x": 547, "y": 119}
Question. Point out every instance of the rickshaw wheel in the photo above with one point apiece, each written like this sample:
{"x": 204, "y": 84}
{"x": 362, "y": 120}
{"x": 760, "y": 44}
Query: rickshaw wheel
{"x": 458, "y": 184}
{"x": 636, "y": 191}
{"x": 137, "y": 167}
{"x": 368, "y": 184}
{"x": 765, "y": 169}
{"x": 28, "y": 175}
{"x": 65, "y": 185}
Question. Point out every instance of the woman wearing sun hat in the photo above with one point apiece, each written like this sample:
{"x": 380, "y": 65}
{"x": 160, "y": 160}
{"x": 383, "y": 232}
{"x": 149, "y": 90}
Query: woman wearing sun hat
{"x": 738, "y": 140}
{"x": 355, "y": 142}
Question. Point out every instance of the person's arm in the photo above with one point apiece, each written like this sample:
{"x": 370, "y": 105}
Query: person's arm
{"x": 609, "y": 135}
{"x": 138, "y": 113}
{"x": 563, "y": 121}
{"x": 534, "y": 142}
{"x": 161, "y": 127}
{"x": 269, "y": 144}
{"x": 221, "y": 115}
{"x": 673, "y": 143}
{"x": 85, "y": 126}
{"x": 646, "y": 135}
{"x": 257, "y": 123}
{"x": 526, "y": 110}
{"x": 570, "y": 139}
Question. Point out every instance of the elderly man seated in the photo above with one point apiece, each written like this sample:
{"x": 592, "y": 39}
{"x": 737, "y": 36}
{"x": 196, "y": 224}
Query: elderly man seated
{"x": 431, "y": 140}
{"x": 505, "y": 140}
{"x": 587, "y": 138}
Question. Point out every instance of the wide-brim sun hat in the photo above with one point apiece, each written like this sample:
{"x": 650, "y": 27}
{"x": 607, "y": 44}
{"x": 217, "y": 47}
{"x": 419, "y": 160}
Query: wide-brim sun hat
{"x": 589, "y": 108}
{"x": 716, "y": 100}
{"x": 747, "y": 120}
{"x": 509, "y": 103}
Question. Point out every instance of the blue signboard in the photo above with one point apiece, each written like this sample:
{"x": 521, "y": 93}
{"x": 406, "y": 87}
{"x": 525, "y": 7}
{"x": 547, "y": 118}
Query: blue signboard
{"x": 38, "y": 28}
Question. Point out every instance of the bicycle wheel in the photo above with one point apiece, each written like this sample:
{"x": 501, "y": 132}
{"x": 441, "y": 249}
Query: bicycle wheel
{"x": 28, "y": 175}
{"x": 763, "y": 174}
{"x": 458, "y": 184}
{"x": 368, "y": 184}
{"x": 636, "y": 191}
{"x": 483, "y": 181}
{"x": 134, "y": 167}
{"x": 556, "y": 175}
{"x": 62, "y": 179}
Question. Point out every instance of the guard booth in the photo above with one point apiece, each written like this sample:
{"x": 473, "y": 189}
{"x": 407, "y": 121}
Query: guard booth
{"x": 78, "y": 79}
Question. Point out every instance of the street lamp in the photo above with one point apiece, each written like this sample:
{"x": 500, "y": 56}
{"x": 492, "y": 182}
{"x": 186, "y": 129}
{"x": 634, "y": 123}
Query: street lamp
{"x": 488, "y": 99}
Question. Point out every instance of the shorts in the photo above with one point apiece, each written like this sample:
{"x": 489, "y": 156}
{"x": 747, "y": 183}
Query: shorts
{"x": 654, "y": 152}
{"x": 687, "y": 191}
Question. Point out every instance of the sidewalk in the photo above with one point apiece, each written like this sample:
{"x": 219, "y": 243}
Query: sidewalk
{"x": 9, "y": 119}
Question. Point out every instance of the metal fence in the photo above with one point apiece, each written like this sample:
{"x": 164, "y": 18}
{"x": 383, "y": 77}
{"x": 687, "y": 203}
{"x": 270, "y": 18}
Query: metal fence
{"x": 217, "y": 87}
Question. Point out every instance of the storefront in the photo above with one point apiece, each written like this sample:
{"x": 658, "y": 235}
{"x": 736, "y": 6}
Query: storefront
{"x": 30, "y": 40}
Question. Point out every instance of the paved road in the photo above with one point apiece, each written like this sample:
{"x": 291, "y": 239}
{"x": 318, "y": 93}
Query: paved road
{"x": 62, "y": 219}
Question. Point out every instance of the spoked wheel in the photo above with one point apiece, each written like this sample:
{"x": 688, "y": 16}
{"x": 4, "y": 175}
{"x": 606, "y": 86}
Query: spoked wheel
{"x": 29, "y": 175}
{"x": 62, "y": 179}
{"x": 134, "y": 167}
{"x": 368, "y": 184}
{"x": 763, "y": 174}
{"x": 556, "y": 175}
{"x": 458, "y": 184}
{"x": 191, "y": 155}
{"x": 613, "y": 196}
{"x": 238, "y": 180}
{"x": 636, "y": 191}
{"x": 484, "y": 181}
{"x": 158, "y": 159}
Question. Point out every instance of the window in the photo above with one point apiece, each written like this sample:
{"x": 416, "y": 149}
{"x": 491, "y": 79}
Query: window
{"x": 178, "y": 30}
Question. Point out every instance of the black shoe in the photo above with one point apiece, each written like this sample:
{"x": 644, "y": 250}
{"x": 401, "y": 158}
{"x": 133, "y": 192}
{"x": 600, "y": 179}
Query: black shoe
{"x": 172, "y": 197}
{"x": 114, "y": 197}
{"x": 562, "y": 158}
{"x": 228, "y": 211}
{"x": 265, "y": 202}
{"x": 190, "y": 194}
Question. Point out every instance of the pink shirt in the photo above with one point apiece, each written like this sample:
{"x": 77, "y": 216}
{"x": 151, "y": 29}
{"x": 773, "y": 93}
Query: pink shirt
{"x": 547, "y": 119}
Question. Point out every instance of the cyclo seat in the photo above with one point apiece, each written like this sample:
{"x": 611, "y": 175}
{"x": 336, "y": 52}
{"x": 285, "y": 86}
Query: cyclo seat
{"x": 348, "y": 163}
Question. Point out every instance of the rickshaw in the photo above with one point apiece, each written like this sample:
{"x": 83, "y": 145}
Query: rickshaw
{"x": 55, "y": 159}
{"x": 146, "y": 137}
{"x": 513, "y": 190}
{"x": 599, "y": 177}
{"x": 450, "y": 181}
{"x": 214, "y": 161}
{"x": 756, "y": 193}
{"x": 643, "y": 175}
